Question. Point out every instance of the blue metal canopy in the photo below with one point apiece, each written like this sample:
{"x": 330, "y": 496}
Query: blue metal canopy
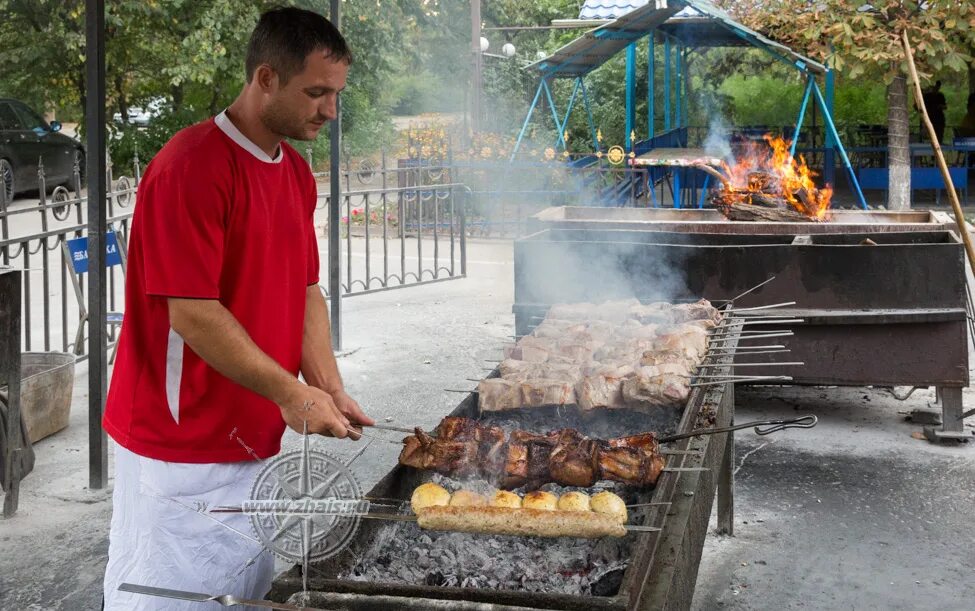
{"x": 693, "y": 23}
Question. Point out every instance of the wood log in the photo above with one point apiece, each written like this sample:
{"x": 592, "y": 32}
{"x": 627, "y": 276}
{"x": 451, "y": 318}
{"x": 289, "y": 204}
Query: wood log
{"x": 767, "y": 200}
{"x": 746, "y": 212}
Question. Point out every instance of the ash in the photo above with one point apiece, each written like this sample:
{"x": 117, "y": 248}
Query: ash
{"x": 404, "y": 553}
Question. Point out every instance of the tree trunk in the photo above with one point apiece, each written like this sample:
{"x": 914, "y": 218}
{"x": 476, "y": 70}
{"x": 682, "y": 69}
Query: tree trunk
{"x": 898, "y": 145}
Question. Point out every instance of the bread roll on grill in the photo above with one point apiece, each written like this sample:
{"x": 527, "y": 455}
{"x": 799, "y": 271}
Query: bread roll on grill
{"x": 520, "y": 522}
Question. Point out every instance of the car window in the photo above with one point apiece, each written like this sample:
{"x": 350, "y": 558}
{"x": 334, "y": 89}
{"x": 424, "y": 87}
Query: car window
{"x": 30, "y": 118}
{"x": 8, "y": 118}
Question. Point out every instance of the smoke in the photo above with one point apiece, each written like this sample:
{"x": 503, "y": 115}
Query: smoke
{"x": 718, "y": 141}
{"x": 564, "y": 266}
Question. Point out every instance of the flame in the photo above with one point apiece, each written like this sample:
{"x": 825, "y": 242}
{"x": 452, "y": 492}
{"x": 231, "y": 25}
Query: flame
{"x": 773, "y": 170}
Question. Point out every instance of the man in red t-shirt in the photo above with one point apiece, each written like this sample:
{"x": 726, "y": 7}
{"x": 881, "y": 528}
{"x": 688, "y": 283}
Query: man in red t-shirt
{"x": 223, "y": 311}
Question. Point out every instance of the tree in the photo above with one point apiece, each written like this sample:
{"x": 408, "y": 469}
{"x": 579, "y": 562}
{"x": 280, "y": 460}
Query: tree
{"x": 862, "y": 40}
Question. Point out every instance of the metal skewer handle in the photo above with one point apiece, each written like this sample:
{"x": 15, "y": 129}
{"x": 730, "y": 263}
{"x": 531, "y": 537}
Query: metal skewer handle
{"x": 762, "y": 427}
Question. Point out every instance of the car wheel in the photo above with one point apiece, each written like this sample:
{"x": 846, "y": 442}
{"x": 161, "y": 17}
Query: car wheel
{"x": 7, "y": 180}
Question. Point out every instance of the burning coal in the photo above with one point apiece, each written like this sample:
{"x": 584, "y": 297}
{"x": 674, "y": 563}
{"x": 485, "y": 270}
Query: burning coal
{"x": 766, "y": 183}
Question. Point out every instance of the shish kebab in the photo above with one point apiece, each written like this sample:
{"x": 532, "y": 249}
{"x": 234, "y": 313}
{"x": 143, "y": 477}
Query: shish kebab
{"x": 464, "y": 448}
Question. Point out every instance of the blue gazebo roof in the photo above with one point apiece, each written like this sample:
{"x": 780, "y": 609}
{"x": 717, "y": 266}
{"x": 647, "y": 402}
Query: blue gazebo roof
{"x": 695, "y": 23}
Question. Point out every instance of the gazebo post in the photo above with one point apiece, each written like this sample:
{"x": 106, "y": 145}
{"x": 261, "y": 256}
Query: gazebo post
{"x": 651, "y": 94}
{"x": 630, "y": 95}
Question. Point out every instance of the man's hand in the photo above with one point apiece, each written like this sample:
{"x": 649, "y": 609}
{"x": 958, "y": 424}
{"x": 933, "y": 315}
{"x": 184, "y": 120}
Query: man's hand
{"x": 350, "y": 409}
{"x": 317, "y": 408}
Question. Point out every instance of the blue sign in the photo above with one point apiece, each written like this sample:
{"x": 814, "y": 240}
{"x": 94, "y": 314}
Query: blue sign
{"x": 78, "y": 248}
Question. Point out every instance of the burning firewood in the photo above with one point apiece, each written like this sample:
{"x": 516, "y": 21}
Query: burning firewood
{"x": 769, "y": 184}
{"x": 751, "y": 212}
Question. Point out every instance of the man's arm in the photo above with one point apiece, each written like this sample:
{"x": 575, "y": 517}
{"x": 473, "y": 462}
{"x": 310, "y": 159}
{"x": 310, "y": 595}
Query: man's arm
{"x": 318, "y": 364}
{"x": 218, "y": 338}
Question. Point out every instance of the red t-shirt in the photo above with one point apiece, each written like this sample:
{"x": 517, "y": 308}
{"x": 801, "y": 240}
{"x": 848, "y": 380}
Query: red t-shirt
{"x": 216, "y": 218}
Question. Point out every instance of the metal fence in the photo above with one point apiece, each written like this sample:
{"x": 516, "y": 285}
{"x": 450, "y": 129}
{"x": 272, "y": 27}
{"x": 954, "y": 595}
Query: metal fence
{"x": 53, "y": 294}
{"x": 501, "y": 196}
{"x": 392, "y": 237}
{"x": 395, "y": 237}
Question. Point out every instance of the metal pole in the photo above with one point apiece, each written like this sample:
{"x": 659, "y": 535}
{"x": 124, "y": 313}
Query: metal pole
{"x": 335, "y": 202}
{"x": 630, "y": 94}
{"x": 802, "y": 115}
{"x": 477, "y": 65}
{"x": 829, "y": 158}
{"x": 650, "y": 92}
{"x": 678, "y": 83}
{"x": 666, "y": 84}
{"x": 95, "y": 133}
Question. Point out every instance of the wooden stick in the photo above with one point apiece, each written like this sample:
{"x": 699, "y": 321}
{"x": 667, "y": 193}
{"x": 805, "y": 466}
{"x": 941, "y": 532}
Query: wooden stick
{"x": 945, "y": 174}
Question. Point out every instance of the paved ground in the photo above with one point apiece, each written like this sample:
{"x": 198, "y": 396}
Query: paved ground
{"x": 855, "y": 514}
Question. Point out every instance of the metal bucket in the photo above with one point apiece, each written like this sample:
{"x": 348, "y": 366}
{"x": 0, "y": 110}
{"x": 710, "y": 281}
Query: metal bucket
{"x": 45, "y": 392}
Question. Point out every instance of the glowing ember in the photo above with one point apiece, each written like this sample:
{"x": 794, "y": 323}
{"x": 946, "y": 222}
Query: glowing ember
{"x": 769, "y": 177}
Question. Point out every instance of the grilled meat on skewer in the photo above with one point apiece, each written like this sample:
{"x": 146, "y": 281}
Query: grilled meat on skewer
{"x": 463, "y": 448}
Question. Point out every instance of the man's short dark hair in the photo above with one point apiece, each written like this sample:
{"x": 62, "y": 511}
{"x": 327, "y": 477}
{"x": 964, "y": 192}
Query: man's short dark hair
{"x": 284, "y": 37}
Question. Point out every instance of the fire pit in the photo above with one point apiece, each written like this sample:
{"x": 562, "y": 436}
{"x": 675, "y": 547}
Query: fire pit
{"x": 398, "y": 566}
{"x": 882, "y": 295}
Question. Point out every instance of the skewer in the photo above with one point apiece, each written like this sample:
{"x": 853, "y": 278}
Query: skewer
{"x": 725, "y": 334}
{"x": 763, "y": 336}
{"x": 772, "y": 321}
{"x": 757, "y": 286}
{"x": 647, "y": 504}
{"x": 729, "y": 350}
{"x": 764, "y": 307}
{"x": 711, "y": 376}
{"x": 750, "y": 352}
{"x": 741, "y": 380}
{"x": 395, "y": 517}
{"x": 398, "y": 429}
{"x": 791, "y": 364}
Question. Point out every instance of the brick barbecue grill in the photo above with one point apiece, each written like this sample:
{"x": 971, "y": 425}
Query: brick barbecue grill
{"x": 644, "y": 570}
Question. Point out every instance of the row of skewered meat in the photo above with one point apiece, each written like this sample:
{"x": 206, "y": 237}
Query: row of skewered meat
{"x": 463, "y": 448}
{"x": 609, "y": 355}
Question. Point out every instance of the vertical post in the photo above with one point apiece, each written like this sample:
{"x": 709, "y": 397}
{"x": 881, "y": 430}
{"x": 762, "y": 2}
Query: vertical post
{"x": 10, "y": 304}
{"x": 678, "y": 85}
{"x": 335, "y": 203}
{"x": 630, "y": 94}
{"x": 477, "y": 66}
{"x": 685, "y": 109}
{"x": 666, "y": 83}
{"x": 829, "y": 158}
{"x": 97, "y": 346}
{"x": 650, "y": 85}
{"x": 726, "y": 483}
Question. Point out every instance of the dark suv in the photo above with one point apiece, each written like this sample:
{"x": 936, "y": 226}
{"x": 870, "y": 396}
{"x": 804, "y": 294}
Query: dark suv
{"x": 24, "y": 139}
